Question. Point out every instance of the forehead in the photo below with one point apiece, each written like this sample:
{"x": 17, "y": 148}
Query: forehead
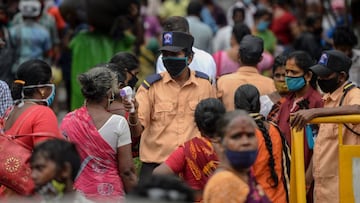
{"x": 291, "y": 65}
{"x": 40, "y": 159}
{"x": 280, "y": 69}
{"x": 240, "y": 124}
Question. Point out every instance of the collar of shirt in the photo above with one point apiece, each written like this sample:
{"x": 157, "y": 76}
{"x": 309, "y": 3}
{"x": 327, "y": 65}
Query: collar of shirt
{"x": 248, "y": 69}
{"x": 167, "y": 78}
{"x": 336, "y": 95}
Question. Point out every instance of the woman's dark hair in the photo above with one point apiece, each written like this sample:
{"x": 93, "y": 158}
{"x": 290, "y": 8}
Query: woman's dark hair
{"x": 32, "y": 72}
{"x": 304, "y": 61}
{"x": 60, "y": 152}
{"x": 239, "y": 31}
{"x": 120, "y": 72}
{"x": 125, "y": 61}
{"x": 207, "y": 112}
{"x": 279, "y": 61}
{"x": 247, "y": 97}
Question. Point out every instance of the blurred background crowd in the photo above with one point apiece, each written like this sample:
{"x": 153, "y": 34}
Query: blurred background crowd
{"x": 75, "y": 35}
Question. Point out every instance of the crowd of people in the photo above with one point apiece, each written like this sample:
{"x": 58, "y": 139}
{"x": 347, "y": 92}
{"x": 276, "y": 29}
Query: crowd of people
{"x": 186, "y": 101}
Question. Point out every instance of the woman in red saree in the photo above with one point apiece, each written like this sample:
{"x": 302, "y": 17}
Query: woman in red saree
{"x": 103, "y": 140}
{"x": 33, "y": 93}
{"x": 196, "y": 159}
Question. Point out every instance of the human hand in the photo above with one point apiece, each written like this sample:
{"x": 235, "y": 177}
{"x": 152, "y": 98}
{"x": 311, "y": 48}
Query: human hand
{"x": 300, "y": 118}
{"x": 130, "y": 104}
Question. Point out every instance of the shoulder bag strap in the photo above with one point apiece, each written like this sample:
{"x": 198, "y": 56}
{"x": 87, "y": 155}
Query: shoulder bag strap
{"x": 349, "y": 86}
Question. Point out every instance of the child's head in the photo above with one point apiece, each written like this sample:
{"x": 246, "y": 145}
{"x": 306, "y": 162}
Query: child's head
{"x": 55, "y": 164}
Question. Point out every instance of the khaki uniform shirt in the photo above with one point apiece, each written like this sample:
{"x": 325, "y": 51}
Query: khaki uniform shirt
{"x": 227, "y": 84}
{"x": 166, "y": 112}
{"x": 325, "y": 157}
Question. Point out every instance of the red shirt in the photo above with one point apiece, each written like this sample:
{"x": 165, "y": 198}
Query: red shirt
{"x": 35, "y": 119}
{"x": 195, "y": 162}
{"x": 281, "y": 27}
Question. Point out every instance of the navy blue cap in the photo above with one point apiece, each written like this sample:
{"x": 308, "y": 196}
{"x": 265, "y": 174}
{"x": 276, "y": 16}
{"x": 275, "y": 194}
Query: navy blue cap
{"x": 251, "y": 46}
{"x": 176, "y": 41}
{"x": 332, "y": 61}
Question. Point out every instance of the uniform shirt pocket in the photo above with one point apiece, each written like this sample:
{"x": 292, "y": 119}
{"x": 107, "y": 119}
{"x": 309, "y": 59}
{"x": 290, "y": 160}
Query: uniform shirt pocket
{"x": 192, "y": 107}
{"x": 163, "y": 111}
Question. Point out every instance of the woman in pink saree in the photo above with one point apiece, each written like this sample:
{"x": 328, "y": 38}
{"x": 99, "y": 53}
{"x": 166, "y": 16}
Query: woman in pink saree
{"x": 103, "y": 140}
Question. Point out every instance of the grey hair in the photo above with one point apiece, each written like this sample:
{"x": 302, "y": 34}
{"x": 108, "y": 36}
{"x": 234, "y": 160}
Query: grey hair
{"x": 96, "y": 83}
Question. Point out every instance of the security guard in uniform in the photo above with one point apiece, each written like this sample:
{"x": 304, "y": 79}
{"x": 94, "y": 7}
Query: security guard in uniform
{"x": 167, "y": 102}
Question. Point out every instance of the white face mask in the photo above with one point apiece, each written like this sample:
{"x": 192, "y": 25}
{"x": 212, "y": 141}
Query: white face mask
{"x": 49, "y": 100}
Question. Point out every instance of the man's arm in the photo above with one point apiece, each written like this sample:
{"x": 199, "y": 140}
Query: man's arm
{"x": 302, "y": 117}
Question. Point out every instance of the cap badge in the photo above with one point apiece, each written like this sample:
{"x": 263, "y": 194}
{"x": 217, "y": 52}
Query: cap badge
{"x": 324, "y": 59}
{"x": 168, "y": 39}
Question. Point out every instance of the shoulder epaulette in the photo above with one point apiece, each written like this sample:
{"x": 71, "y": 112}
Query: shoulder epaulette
{"x": 349, "y": 86}
{"x": 151, "y": 79}
{"x": 202, "y": 75}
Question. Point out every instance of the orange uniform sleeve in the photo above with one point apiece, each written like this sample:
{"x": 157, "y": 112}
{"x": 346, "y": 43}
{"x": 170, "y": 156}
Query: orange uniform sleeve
{"x": 145, "y": 104}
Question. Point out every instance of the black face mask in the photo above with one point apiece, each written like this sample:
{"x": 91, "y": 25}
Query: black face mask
{"x": 330, "y": 85}
{"x": 132, "y": 82}
{"x": 174, "y": 65}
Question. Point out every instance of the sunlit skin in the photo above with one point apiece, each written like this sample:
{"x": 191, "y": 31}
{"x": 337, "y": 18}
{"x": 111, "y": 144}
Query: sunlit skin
{"x": 292, "y": 70}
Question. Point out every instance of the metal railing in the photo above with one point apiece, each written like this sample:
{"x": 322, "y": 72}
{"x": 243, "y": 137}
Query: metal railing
{"x": 347, "y": 154}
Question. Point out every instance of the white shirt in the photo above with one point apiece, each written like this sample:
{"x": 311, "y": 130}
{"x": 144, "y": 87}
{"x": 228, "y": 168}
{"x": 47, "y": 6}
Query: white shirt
{"x": 116, "y": 132}
{"x": 202, "y": 61}
{"x": 354, "y": 71}
{"x": 221, "y": 41}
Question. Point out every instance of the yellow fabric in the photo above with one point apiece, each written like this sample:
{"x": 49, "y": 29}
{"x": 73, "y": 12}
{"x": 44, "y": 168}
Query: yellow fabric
{"x": 172, "y": 8}
{"x": 225, "y": 187}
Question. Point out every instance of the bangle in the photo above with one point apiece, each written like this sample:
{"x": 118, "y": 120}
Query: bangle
{"x": 133, "y": 124}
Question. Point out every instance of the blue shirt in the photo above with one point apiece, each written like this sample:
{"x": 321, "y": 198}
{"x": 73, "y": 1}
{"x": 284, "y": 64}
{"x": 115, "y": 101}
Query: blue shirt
{"x": 32, "y": 41}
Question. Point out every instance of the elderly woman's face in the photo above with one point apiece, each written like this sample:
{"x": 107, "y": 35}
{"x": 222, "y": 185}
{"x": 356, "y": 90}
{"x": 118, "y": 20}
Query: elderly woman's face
{"x": 240, "y": 135}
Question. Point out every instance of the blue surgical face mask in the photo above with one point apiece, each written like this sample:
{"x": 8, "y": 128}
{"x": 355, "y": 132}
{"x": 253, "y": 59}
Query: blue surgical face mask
{"x": 295, "y": 83}
{"x": 49, "y": 100}
{"x": 262, "y": 26}
{"x": 241, "y": 159}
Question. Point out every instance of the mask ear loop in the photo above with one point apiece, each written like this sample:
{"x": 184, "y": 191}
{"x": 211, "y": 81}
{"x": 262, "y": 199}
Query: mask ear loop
{"x": 110, "y": 100}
